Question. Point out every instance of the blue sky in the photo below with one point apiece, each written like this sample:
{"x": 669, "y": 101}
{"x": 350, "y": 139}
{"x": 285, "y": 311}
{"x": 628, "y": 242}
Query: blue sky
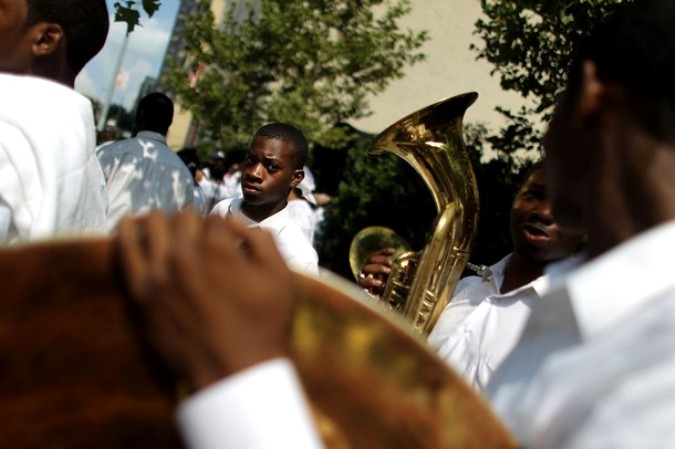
{"x": 143, "y": 56}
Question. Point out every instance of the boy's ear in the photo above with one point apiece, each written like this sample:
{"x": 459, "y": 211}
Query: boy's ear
{"x": 298, "y": 176}
{"x": 49, "y": 37}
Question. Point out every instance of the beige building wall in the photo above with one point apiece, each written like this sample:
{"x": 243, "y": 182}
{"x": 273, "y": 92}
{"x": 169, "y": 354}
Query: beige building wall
{"x": 451, "y": 68}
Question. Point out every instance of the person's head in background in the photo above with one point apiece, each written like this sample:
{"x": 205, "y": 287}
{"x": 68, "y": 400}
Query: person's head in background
{"x": 154, "y": 113}
{"x": 52, "y": 39}
{"x": 611, "y": 143}
{"x": 191, "y": 160}
{"x": 217, "y": 167}
{"x": 272, "y": 167}
{"x": 536, "y": 236}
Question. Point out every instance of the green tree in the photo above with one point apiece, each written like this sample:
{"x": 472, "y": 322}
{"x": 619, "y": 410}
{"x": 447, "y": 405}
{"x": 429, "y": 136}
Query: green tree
{"x": 126, "y": 11}
{"x": 312, "y": 63}
{"x": 530, "y": 44}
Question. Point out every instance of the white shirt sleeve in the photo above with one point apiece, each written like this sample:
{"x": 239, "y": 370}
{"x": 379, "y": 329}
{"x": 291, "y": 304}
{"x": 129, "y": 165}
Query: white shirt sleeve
{"x": 20, "y": 198}
{"x": 258, "y": 408}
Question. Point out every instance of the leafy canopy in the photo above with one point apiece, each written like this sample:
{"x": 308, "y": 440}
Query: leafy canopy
{"x": 126, "y": 11}
{"x": 311, "y": 63}
{"x": 530, "y": 44}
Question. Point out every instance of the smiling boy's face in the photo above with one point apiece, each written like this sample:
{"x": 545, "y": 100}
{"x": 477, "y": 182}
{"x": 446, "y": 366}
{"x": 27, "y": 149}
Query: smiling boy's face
{"x": 535, "y": 233}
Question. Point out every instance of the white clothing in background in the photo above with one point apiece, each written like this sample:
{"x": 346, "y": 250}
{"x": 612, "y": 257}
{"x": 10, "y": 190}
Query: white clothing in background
{"x": 214, "y": 193}
{"x": 294, "y": 247}
{"x": 50, "y": 180}
{"x": 303, "y": 214}
{"x": 595, "y": 366}
{"x": 142, "y": 174}
{"x": 200, "y": 201}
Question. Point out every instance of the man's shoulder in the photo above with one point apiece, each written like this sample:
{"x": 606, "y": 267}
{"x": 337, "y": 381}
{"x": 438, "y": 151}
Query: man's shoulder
{"x": 28, "y": 86}
{"x": 292, "y": 234}
{"x": 37, "y": 101}
{"x": 223, "y": 207}
{"x": 129, "y": 145}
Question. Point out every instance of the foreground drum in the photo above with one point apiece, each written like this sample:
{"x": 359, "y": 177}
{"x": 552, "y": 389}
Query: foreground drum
{"x": 75, "y": 375}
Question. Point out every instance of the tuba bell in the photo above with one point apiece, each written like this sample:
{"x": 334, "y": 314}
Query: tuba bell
{"x": 431, "y": 141}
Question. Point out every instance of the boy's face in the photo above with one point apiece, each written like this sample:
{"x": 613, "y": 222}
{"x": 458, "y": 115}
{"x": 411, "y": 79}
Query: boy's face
{"x": 534, "y": 232}
{"x": 15, "y": 39}
{"x": 268, "y": 173}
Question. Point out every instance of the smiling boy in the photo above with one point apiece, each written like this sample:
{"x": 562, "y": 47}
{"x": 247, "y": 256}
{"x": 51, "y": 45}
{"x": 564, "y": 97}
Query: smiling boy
{"x": 272, "y": 167}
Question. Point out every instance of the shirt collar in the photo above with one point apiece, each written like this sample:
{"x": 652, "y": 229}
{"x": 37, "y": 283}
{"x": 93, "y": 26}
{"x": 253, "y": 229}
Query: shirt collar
{"x": 609, "y": 288}
{"x": 540, "y": 285}
{"x": 497, "y": 272}
{"x": 274, "y": 223}
{"x": 152, "y": 135}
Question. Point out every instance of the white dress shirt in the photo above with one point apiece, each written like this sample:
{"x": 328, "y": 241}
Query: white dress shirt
{"x": 50, "y": 180}
{"x": 480, "y": 326}
{"x": 595, "y": 366}
{"x": 294, "y": 247}
{"x": 142, "y": 174}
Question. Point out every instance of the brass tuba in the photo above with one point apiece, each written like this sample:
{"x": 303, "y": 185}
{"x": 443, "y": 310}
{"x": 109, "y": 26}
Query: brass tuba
{"x": 431, "y": 141}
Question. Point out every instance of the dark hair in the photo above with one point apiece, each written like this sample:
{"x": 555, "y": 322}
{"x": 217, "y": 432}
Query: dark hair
{"x": 525, "y": 173}
{"x": 85, "y": 25}
{"x": 634, "y": 47}
{"x": 217, "y": 166}
{"x": 190, "y": 158}
{"x": 154, "y": 113}
{"x": 290, "y": 134}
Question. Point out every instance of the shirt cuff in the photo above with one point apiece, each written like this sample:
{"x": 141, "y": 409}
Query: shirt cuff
{"x": 257, "y": 408}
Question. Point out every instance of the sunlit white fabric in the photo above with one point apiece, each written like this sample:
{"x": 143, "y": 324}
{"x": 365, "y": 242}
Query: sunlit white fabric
{"x": 143, "y": 174}
{"x": 595, "y": 366}
{"x": 480, "y": 326}
{"x": 303, "y": 214}
{"x": 291, "y": 242}
{"x": 50, "y": 180}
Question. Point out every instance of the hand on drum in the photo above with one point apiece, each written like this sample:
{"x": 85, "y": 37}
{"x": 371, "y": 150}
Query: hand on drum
{"x": 214, "y": 297}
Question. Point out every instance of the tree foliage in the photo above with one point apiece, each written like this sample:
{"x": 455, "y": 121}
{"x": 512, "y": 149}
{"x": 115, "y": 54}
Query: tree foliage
{"x": 307, "y": 62}
{"x": 126, "y": 11}
{"x": 530, "y": 44}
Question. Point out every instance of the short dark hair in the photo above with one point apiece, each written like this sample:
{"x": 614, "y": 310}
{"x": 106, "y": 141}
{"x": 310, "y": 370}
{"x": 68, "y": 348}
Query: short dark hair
{"x": 85, "y": 24}
{"x": 290, "y": 134}
{"x": 154, "y": 113}
{"x": 527, "y": 170}
{"x": 190, "y": 158}
{"x": 634, "y": 47}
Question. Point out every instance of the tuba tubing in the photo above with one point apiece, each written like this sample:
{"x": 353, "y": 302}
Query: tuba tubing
{"x": 431, "y": 141}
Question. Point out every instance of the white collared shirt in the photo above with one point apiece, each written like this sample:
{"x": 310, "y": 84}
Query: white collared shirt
{"x": 294, "y": 247}
{"x": 142, "y": 174}
{"x": 595, "y": 366}
{"x": 480, "y": 326}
